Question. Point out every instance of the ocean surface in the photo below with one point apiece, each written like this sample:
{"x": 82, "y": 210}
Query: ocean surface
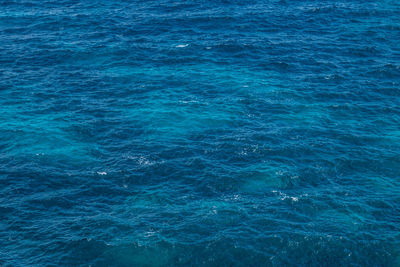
{"x": 200, "y": 133}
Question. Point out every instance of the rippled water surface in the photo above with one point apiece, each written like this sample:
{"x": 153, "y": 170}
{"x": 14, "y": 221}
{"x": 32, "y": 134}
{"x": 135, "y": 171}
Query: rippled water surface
{"x": 207, "y": 133}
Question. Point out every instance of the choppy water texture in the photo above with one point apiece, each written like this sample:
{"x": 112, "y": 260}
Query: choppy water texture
{"x": 207, "y": 133}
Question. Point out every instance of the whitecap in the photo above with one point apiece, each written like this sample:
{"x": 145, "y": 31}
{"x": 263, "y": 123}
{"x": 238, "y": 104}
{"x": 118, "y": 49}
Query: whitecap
{"x": 283, "y": 196}
{"x": 182, "y": 45}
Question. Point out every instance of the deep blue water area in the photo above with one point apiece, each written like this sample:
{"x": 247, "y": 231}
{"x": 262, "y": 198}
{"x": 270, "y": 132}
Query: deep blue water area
{"x": 200, "y": 133}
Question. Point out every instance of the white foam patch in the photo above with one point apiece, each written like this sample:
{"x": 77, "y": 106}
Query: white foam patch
{"x": 182, "y": 45}
{"x": 101, "y": 173}
{"x": 142, "y": 161}
{"x": 283, "y": 196}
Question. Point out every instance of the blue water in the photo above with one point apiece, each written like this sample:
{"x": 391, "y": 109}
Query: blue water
{"x": 200, "y": 133}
